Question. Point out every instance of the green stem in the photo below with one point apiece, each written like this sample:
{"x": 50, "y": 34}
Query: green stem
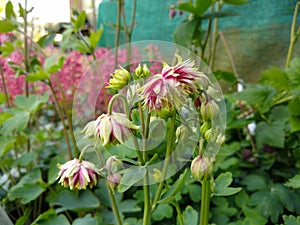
{"x": 293, "y": 36}
{"x": 214, "y": 39}
{"x": 68, "y": 114}
{"x": 166, "y": 161}
{"x": 114, "y": 205}
{"x": 178, "y": 210}
{"x": 147, "y": 203}
{"x": 113, "y": 99}
{"x": 61, "y": 115}
{"x": 118, "y": 31}
{"x": 4, "y": 86}
{"x": 205, "y": 202}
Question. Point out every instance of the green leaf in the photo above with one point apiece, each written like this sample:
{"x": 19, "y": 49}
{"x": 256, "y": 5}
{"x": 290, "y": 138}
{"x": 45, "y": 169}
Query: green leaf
{"x": 46, "y": 40}
{"x": 293, "y": 71}
{"x": 295, "y": 123}
{"x": 9, "y": 11}
{"x": 242, "y": 199}
{"x": 18, "y": 122}
{"x": 253, "y": 217}
{"x": 222, "y": 211}
{"x": 25, "y": 159}
{"x": 6, "y": 49}
{"x": 83, "y": 47}
{"x": 6, "y": 144}
{"x": 80, "y": 20}
{"x": 255, "y": 182}
{"x": 129, "y": 206}
{"x": 276, "y": 78}
{"x": 190, "y": 216}
{"x": 7, "y": 26}
{"x": 224, "y": 75}
{"x": 220, "y": 185}
{"x": 131, "y": 176}
{"x": 162, "y": 211}
{"x": 294, "y": 182}
{"x": 54, "y": 220}
{"x": 88, "y": 220}
{"x": 39, "y": 75}
{"x": 44, "y": 216}
{"x": 236, "y": 2}
{"x": 184, "y": 32}
{"x": 267, "y": 204}
{"x": 291, "y": 220}
{"x": 53, "y": 169}
{"x": 176, "y": 187}
{"x": 26, "y": 192}
{"x": 70, "y": 200}
{"x": 188, "y": 7}
{"x": 202, "y": 6}
{"x": 260, "y": 96}
{"x": 272, "y": 134}
{"x": 31, "y": 103}
{"x": 95, "y": 37}
{"x": 50, "y": 61}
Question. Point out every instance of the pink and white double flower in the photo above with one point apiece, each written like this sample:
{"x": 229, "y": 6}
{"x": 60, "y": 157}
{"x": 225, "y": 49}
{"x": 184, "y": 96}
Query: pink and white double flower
{"x": 77, "y": 174}
{"x": 171, "y": 87}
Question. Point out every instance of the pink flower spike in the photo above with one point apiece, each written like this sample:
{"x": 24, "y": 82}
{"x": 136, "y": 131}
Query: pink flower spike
{"x": 78, "y": 175}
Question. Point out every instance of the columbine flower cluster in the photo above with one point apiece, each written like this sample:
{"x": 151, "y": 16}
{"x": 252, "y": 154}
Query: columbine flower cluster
{"x": 170, "y": 89}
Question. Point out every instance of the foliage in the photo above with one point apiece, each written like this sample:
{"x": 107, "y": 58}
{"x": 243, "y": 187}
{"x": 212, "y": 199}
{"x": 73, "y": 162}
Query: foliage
{"x": 256, "y": 172}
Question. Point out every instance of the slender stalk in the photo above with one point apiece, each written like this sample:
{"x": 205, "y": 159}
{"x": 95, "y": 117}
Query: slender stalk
{"x": 293, "y": 36}
{"x": 207, "y": 35}
{"x": 166, "y": 161}
{"x": 214, "y": 39}
{"x": 205, "y": 202}
{"x": 113, "y": 99}
{"x": 118, "y": 30}
{"x": 233, "y": 65}
{"x": 4, "y": 86}
{"x": 114, "y": 205}
{"x": 61, "y": 115}
{"x": 68, "y": 115}
{"x": 147, "y": 202}
{"x": 179, "y": 213}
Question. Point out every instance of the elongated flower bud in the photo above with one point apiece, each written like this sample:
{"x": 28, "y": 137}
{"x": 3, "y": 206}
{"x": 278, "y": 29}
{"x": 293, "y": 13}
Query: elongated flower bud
{"x": 201, "y": 168}
{"x": 209, "y": 110}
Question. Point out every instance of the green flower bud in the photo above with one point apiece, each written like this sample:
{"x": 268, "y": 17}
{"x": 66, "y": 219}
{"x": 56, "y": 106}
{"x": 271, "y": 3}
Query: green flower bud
{"x": 201, "y": 168}
{"x": 204, "y": 127}
{"x": 209, "y": 110}
{"x": 119, "y": 79}
{"x": 141, "y": 72}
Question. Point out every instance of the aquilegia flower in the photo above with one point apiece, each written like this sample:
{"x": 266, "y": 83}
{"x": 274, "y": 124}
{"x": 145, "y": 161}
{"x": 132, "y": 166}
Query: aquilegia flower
{"x": 78, "y": 174}
{"x": 171, "y": 87}
{"x": 110, "y": 129}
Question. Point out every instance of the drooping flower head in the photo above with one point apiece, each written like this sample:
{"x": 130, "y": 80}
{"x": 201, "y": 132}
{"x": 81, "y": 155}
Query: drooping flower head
{"x": 110, "y": 129}
{"x": 78, "y": 175}
{"x": 171, "y": 87}
{"x": 161, "y": 93}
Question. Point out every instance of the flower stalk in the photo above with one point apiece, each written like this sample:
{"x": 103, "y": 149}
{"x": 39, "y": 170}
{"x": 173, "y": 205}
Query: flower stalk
{"x": 205, "y": 202}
